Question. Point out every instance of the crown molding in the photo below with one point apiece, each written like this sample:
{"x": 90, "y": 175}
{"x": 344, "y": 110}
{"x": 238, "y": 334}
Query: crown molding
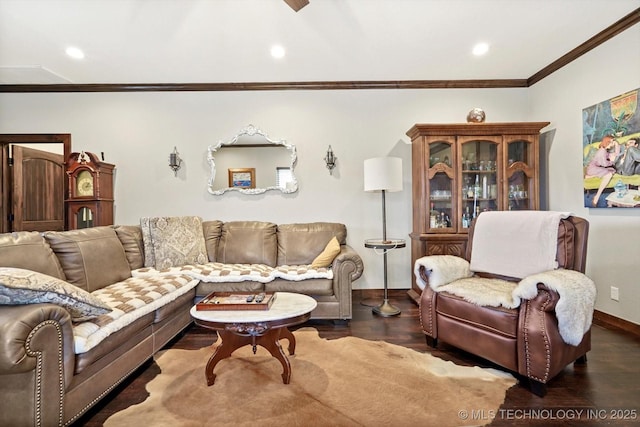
{"x": 621, "y": 25}
{"x": 259, "y": 86}
{"x": 608, "y": 33}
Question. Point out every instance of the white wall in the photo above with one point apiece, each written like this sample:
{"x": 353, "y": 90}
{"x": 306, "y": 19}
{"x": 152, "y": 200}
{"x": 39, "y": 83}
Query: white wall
{"x": 614, "y": 240}
{"x": 137, "y": 131}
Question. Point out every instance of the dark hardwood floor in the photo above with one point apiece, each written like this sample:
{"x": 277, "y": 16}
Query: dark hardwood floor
{"x": 605, "y": 391}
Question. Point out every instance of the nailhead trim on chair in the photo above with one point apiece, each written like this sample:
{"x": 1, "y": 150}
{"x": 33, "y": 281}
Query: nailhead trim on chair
{"x": 430, "y": 329}
{"x": 544, "y": 337}
{"x": 38, "y": 356}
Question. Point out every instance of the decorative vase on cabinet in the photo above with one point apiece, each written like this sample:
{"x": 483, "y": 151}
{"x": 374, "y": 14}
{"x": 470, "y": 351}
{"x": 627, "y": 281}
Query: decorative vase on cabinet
{"x": 460, "y": 170}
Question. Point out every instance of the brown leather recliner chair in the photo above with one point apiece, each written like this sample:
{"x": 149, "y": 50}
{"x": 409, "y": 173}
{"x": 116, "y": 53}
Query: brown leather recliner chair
{"x": 524, "y": 340}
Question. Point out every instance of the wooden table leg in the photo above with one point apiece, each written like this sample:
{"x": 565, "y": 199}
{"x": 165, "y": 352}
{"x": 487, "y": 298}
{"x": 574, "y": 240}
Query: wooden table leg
{"x": 286, "y": 333}
{"x": 230, "y": 343}
{"x": 269, "y": 340}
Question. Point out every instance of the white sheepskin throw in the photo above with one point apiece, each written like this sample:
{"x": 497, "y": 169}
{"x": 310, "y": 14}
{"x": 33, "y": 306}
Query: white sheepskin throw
{"x": 576, "y": 303}
{"x": 484, "y": 292}
{"x": 441, "y": 269}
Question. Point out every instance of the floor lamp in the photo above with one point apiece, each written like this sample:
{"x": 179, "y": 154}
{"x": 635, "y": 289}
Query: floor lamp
{"x": 384, "y": 174}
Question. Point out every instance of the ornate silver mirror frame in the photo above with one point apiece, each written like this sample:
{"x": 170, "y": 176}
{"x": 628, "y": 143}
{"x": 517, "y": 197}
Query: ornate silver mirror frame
{"x": 254, "y": 146}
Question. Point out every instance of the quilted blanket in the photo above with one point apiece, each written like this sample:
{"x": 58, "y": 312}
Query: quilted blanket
{"x": 129, "y": 300}
{"x": 225, "y": 273}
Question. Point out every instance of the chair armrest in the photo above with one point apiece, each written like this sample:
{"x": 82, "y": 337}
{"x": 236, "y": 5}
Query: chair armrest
{"x": 542, "y": 351}
{"x": 545, "y": 300}
{"x": 438, "y": 270}
{"x": 36, "y": 363}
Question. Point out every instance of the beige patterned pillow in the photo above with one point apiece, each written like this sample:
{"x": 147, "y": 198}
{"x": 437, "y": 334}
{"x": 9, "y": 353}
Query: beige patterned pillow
{"x": 19, "y": 287}
{"x": 173, "y": 241}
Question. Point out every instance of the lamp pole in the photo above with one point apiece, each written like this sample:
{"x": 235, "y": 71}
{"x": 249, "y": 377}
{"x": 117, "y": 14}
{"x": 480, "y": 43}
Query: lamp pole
{"x": 385, "y": 309}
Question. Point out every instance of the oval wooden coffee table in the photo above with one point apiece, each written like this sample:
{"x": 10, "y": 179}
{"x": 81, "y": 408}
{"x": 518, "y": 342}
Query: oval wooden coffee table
{"x": 264, "y": 328}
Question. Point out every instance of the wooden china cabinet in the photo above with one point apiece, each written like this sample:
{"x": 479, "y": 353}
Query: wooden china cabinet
{"x": 460, "y": 170}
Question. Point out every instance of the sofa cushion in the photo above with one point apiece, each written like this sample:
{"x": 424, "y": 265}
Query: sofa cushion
{"x": 29, "y": 250}
{"x": 301, "y": 243}
{"x": 212, "y": 232}
{"x": 131, "y": 238}
{"x": 173, "y": 241}
{"x": 248, "y": 242}
{"x": 499, "y": 320}
{"x": 91, "y": 258}
{"x": 19, "y": 287}
{"x": 129, "y": 300}
{"x": 311, "y": 287}
{"x": 327, "y": 256}
{"x": 115, "y": 345}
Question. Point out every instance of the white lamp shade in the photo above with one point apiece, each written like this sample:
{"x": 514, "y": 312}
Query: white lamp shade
{"x": 383, "y": 173}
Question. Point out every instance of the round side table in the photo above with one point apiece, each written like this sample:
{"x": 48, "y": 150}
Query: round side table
{"x": 385, "y": 309}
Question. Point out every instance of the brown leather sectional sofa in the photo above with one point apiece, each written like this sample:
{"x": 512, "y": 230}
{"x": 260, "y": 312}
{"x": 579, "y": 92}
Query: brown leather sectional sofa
{"x": 43, "y": 382}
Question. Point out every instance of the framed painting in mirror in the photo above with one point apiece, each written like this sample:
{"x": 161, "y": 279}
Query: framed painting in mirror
{"x": 242, "y": 178}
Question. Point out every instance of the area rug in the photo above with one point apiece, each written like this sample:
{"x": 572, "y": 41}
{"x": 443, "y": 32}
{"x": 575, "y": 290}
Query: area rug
{"x": 342, "y": 382}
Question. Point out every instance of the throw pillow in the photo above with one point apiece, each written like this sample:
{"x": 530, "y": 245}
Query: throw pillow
{"x": 327, "y": 255}
{"x": 173, "y": 241}
{"x": 19, "y": 287}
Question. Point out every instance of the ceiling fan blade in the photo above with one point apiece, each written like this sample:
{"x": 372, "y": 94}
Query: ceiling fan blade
{"x": 297, "y": 4}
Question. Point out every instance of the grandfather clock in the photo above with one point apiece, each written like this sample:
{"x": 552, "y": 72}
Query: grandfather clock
{"x": 90, "y": 196}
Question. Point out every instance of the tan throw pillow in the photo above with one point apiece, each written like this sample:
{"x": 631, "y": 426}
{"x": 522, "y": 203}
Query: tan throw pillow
{"x": 327, "y": 255}
{"x": 174, "y": 241}
{"x": 21, "y": 287}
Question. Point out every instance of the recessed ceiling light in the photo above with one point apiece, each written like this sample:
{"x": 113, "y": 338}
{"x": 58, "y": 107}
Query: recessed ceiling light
{"x": 74, "y": 52}
{"x": 277, "y": 51}
{"x": 480, "y": 49}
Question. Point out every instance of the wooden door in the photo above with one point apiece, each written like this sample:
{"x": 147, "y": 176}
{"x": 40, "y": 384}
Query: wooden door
{"x": 37, "y": 190}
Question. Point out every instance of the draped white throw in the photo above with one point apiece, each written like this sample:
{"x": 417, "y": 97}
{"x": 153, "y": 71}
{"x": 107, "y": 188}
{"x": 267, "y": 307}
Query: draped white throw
{"x": 515, "y": 243}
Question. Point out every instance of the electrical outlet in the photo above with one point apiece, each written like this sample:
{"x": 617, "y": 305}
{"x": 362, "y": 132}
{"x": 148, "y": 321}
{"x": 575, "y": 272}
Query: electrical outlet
{"x": 615, "y": 293}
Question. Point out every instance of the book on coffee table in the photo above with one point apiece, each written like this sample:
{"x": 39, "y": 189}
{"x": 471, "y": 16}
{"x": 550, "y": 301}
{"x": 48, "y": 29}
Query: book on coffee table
{"x": 237, "y": 301}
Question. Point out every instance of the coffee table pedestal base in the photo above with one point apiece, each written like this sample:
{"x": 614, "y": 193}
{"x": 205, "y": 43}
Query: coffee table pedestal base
{"x": 268, "y": 339}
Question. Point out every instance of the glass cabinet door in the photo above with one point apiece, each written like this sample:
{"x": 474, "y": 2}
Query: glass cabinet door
{"x": 520, "y": 172}
{"x": 440, "y": 177}
{"x": 479, "y": 181}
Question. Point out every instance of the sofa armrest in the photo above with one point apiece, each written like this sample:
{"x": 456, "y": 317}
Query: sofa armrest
{"x": 347, "y": 266}
{"x": 36, "y": 363}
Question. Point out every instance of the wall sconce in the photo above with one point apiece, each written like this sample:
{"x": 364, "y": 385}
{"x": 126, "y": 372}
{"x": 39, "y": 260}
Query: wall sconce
{"x": 330, "y": 160}
{"x": 175, "y": 162}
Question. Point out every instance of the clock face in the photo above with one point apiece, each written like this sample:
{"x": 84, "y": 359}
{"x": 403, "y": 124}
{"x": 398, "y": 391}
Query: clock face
{"x": 84, "y": 184}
